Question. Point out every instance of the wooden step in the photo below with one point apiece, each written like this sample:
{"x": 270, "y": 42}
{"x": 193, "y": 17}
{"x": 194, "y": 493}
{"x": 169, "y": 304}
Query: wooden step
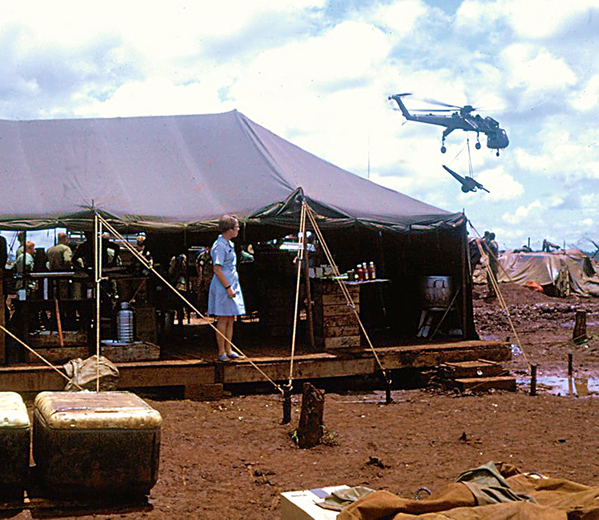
{"x": 469, "y": 369}
{"x": 481, "y": 384}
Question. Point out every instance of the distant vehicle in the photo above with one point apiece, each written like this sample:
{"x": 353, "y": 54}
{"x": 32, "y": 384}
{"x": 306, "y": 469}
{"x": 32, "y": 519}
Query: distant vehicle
{"x": 460, "y": 119}
{"x": 468, "y": 183}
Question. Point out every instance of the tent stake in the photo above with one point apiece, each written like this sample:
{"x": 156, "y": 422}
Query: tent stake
{"x": 533, "y": 380}
{"x": 387, "y": 381}
{"x": 579, "y": 334}
{"x": 570, "y": 368}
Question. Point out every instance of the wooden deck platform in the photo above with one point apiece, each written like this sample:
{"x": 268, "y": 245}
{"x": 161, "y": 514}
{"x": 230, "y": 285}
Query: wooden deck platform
{"x": 206, "y": 379}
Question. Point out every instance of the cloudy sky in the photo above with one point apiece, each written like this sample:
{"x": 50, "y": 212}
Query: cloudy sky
{"x": 318, "y": 73}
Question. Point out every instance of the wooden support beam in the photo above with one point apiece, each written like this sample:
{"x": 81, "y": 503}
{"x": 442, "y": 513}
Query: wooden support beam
{"x": 2, "y": 318}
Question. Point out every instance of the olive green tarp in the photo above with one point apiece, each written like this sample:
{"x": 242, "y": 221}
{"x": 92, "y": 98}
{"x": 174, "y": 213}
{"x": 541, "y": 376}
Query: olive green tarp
{"x": 514, "y": 495}
{"x": 174, "y": 173}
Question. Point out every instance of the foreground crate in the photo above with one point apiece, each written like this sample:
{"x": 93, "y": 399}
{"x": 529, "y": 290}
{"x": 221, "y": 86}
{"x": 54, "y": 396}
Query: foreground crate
{"x": 14, "y": 445}
{"x": 85, "y": 443}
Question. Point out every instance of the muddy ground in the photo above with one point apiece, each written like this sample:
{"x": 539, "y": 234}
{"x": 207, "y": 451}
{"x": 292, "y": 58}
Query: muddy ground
{"x": 230, "y": 459}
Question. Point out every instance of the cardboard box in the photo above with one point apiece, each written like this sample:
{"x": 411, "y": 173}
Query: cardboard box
{"x": 302, "y": 505}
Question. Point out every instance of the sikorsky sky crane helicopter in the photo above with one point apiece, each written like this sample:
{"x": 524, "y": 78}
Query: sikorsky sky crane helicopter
{"x": 460, "y": 119}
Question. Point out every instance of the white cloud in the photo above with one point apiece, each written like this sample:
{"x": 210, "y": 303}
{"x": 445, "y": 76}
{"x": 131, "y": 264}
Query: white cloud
{"x": 501, "y": 184}
{"x": 400, "y": 17}
{"x": 530, "y": 20}
{"x": 535, "y": 69}
{"x": 586, "y": 98}
{"x": 522, "y": 213}
{"x": 538, "y": 19}
{"x": 478, "y": 17}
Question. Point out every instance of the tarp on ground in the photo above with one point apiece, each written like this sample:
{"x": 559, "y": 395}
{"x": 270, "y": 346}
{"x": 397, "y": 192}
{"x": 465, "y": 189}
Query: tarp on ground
{"x": 514, "y": 496}
{"x": 568, "y": 272}
{"x": 183, "y": 172}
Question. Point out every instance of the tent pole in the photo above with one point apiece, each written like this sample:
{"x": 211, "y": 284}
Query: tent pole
{"x": 465, "y": 275}
{"x": 309, "y": 317}
{"x": 97, "y": 280}
{"x": 2, "y": 318}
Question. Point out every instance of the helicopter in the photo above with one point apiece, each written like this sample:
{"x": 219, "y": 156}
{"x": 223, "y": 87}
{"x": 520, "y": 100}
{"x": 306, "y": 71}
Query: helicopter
{"x": 468, "y": 183}
{"x": 460, "y": 119}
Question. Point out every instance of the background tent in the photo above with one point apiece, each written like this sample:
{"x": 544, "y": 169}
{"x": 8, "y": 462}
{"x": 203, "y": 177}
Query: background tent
{"x": 177, "y": 172}
{"x": 563, "y": 272}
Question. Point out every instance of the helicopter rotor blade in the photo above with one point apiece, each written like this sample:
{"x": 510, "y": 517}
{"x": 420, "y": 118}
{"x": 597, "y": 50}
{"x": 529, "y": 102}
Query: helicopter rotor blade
{"x": 433, "y": 110}
{"x": 440, "y": 103}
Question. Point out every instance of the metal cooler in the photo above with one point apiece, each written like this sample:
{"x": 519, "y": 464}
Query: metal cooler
{"x": 14, "y": 445}
{"x": 87, "y": 443}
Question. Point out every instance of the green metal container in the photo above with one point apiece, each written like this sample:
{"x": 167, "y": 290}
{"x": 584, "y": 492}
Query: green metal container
{"x": 15, "y": 431}
{"x": 89, "y": 443}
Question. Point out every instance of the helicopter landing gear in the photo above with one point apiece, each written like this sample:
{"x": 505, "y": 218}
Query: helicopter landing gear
{"x": 443, "y": 149}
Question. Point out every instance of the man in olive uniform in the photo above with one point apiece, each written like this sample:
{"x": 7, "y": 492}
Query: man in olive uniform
{"x": 492, "y": 249}
{"x": 60, "y": 255}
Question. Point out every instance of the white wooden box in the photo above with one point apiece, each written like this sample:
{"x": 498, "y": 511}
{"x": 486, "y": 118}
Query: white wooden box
{"x": 302, "y": 505}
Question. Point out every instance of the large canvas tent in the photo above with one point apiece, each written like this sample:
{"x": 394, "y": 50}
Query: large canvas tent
{"x": 176, "y": 175}
{"x": 177, "y": 172}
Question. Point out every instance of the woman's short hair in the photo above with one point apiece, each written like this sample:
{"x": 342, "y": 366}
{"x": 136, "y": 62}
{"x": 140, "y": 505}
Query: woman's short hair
{"x": 227, "y": 222}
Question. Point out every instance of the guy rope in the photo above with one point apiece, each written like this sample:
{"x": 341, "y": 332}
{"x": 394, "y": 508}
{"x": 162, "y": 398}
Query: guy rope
{"x": 350, "y": 302}
{"x": 500, "y": 297}
{"x": 148, "y": 265}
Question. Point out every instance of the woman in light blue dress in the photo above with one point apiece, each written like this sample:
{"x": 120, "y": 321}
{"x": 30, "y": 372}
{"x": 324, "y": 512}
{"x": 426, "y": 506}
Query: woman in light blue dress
{"x": 225, "y": 300}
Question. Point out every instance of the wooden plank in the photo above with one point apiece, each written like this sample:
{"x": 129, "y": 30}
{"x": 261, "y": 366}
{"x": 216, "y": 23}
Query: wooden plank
{"x": 481, "y": 384}
{"x": 243, "y": 372}
{"x": 337, "y": 321}
{"x": 49, "y": 339}
{"x": 146, "y": 325}
{"x": 337, "y": 299}
{"x": 432, "y": 356}
{"x": 331, "y": 287}
{"x": 339, "y": 342}
{"x": 57, "y": 354}
{"x": 334, "y": 332}
{"x": 142, "y": 351}
{"x": 339, "y": 310}
{"x": 474, "y": 368}
{"x": 159, "y": 375}
{"x": 35, "y": 378}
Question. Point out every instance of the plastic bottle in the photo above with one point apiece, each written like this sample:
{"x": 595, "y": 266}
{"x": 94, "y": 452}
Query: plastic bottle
{"x": 372, "y": 271}
{"x": 360, "y": 272}
{"x": 125, "y": 324}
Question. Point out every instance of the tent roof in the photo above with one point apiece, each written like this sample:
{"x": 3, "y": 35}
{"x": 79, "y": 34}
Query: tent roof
{"x": 174, "y": 171}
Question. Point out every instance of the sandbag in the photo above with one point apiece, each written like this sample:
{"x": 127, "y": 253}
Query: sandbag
{"x": 84, "y": 373}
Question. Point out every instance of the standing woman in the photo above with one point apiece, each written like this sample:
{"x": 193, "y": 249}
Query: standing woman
{"x": 225, "y": 300}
